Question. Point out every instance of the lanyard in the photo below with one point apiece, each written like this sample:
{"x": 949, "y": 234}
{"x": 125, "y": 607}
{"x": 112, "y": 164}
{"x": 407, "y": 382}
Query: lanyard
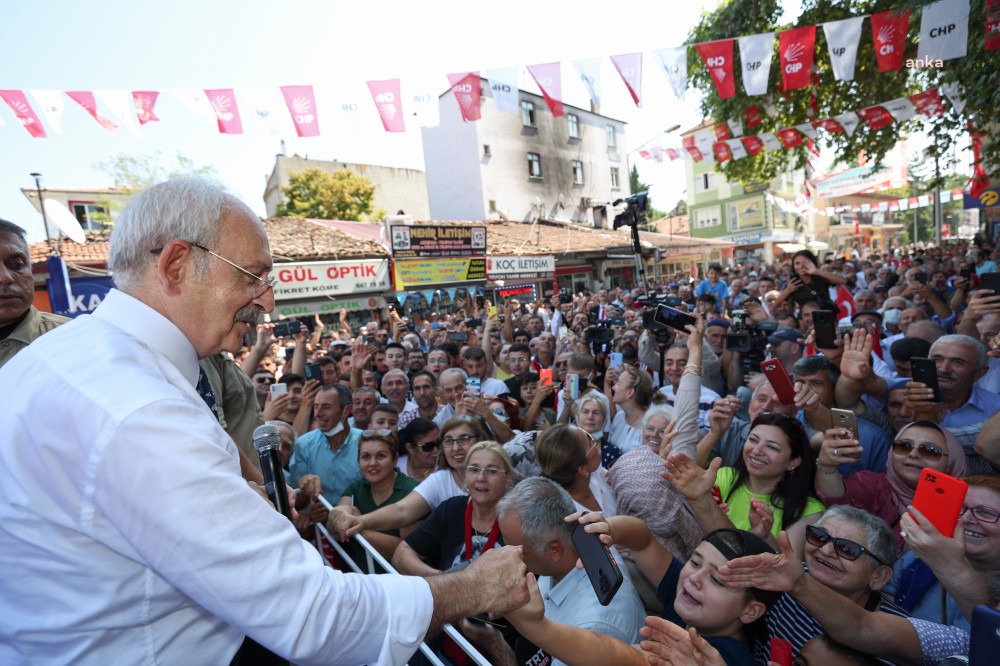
{"x": 494, "y": 533}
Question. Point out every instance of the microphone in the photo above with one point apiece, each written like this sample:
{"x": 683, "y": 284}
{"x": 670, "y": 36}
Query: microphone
{"x": 267, "y": 441}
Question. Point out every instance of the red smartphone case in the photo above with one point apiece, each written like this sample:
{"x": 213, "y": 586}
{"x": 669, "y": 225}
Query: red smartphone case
{"x": 780, "y": 381}
{"x": 939, "y": 498}
{"x": 781, "y": 652}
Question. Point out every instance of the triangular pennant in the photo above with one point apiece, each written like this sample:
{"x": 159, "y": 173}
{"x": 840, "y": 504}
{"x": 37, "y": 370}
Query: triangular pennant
{"x": 848, "y": 121}
{"x": 429, "y": 295}
{"x": 753, "y": 116}
{"x": 421, "y": 94}
{"x": 504, "y": 87}
{"x": 197, "y": 101}
{"x": 795, "y": 50}
{"x": 19, "y": 104}
{"x": 928, "y": 103}
{"x": 144, "y": 101}
{"x": 953, "y": 91}
{"x": 807, "y": 129}
{"x": 876, "y": 117}
{"x": 672, "y": 153}
{"x": 451, "y": 293}
{"x": 119, "y": 103}
{"x": 842, "y": 38}
{"x": 674, "y": 63}
{"x": 770, "y": 141}
{"x": 465, "y": 87}
{"x": 629, "y": 67}
{"x": 265, "y": 105}
{"x": 589, "y": 71}
{"x": 301, "y": 103}
{"x": 227, "y": 113}
{"x": 387, "y": 100}
{"x": 52, "y": 104}
{"x": 944, "y": 30}
{"x": 549, "y": 79}
{"x": 889, "y": 32}
{"x": 657, "y": 153}
{"x": 401, "y": 296}
{"x": 828, "y": 124}
{"x": 901, "y": 109}
{"x": 85, "y": 98}
{"x": 718, "y": 58}
{"x": 789, "y": 138}
{"x": 756, "y": 52}
{"x": 645, "y": 154}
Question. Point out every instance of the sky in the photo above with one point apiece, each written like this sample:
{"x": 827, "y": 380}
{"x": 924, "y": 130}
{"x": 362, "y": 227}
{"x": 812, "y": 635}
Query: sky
{"x": 334, "y": 46}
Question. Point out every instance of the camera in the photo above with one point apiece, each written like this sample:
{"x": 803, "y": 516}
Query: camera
{"x": 749, "y": 339}
{"x": 600, "y": 338}
{"x": 635, "y": 210}
{"x": 565, "y": 298}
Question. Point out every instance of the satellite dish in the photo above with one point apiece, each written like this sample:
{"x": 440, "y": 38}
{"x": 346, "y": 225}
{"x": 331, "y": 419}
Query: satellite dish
{"x": 64, "y": 221}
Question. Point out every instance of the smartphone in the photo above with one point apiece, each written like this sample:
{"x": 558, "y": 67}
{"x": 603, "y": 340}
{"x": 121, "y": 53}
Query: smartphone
{"x": 394, "y": 305}
{"x": 618, "y": 322}
{"x": 985, "y": 639}
{"x": 286, "y": 329}
{"x": 920, "y": 277}
{"x": 965, "y": 272}
{"x": 480, "y": 302}
{"x": 781, "y": 652}
{"x": 545, "y": 376}
{"x": 458, "y": 336}
{"x": 673, "y": 301}
{"x": 825, "y": 328}
{"x": 615, "y": 360}
{"x": 313, "y": 371}
{"x": 278, "y": 389}
{"x": 675, "y": 319}
{"x": 491, "y": 311}
{"x": 573, "y": 386}
{"x": 524, "y": 308}
{"x": 990, "y": 281}
{"x": 939, "y": 497}
{"x": 600, "y": 565}
{"x": 845, "y": 418}
{"x": 473, "y": 385}
{"x": 474, "y": 323}
{"x": 924, "y": 370}
{"x": 842, "y": 331}
{"x": 778, "y": 377}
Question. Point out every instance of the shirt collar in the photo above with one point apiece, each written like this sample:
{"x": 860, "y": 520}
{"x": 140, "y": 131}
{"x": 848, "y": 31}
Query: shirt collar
{"x": 151, "y": 329}
{"x": 561, "y": 591}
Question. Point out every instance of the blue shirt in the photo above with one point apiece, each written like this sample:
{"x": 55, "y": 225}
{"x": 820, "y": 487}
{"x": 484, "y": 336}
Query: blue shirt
{"x": 875, "y": 442}
{"x": 980, "y": 406}
{"x": 929, "y": 606}
{"x": 720, "y": 290}
{"x": 336, "y": 470}
{"x": 987, "y": 267}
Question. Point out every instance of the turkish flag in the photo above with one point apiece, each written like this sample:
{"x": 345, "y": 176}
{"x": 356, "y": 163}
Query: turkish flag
{"x": 829, "y": 124}
{"x": 844, "y": 302}
{"x": 928, "y": 103}
{"x": 718, "y": 57}
{"x": 86, "y": 99}
{"x": 753, "y": 115}
{"x": 722, "y": 152}
{"x": 795, "y": 49}
{"x": 889, "y": 31}
{"x": 227, "y": 114}
{"x": 689, "y": 145}
{"x": 145, "y": 100}
{"x": 301, "y": 103}
{"x": 18, "y": 103}
{"x": 876, "y": 117}
{"x": 467, "y": 93}
{"x": 549, "y": 79}
{"x": 389, "y": 104}
{"x": 629, "y": 67}
{"x": 790, "y": 138}
{"x": 993, "y": 24}
{"x": 721, "y": 131}
{"x": 753, "y": 145}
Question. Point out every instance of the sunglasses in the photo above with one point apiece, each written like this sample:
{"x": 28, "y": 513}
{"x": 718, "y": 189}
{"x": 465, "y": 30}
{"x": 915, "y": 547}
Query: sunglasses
{"x": 845, "y": 548}
{"x": 927, "y": 451}
{"x": 265, "y": 380}
{"x": 427, "y": 447}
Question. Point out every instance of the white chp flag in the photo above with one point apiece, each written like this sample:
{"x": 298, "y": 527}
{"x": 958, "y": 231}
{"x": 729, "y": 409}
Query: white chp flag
{"x": 806, "y": 129}
{"x": 197, "y": 101}
{"x": 266, "y": 105}
{"x": 849, "y": 121}
{"x": 119, "y": 102}
{"x": 589, "y": 71}
{"x": 52, "y": 103}
{"x": 944, "y": 30}
{"x": 770, "y": 140}
{"x": 901, "y": 109}
{"x": 756, "y": 52}
{"x": 674, "y": 63}
{"x": 735, "y": 126}
{"x": 953, "y": 91}
{"x": 737, "y": 149}
{"x": 348, "y": 100}
{"x": 842, "y": 37}
{"x": 421, "y": 100}
{"x": 703, "y": 140}
{"x": 504, "y": 86}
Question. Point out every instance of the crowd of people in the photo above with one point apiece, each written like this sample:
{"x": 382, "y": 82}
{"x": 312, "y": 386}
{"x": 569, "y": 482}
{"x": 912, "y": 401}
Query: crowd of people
{"x": 737, "y": 511}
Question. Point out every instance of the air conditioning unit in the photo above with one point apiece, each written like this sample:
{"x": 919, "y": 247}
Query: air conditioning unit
{"x": 584, "y": 202}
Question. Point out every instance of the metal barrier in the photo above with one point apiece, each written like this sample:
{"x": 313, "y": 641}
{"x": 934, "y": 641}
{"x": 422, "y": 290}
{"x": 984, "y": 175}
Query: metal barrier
{"x": 372, "y": 556}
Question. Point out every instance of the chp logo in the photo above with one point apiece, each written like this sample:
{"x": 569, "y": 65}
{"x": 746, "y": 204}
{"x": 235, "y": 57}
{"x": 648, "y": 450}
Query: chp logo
{"x": 717, "y": 67}
{"x": 792, "y": 55}
{"x": 885, "y": 38}
{"x": 302, "y": 109}
{"x": 221, "y": 105}
{"x": 387, "y": 104}
{"x": 23, "y": 113}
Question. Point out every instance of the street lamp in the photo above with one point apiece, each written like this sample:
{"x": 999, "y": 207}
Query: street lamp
{"x": 41, "y": 205}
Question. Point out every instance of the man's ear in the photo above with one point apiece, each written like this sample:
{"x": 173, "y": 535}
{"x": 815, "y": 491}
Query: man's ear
{"x": 173, "y": 267}
{"x": 556, "y": 550}
{"x": 752, "y": 611}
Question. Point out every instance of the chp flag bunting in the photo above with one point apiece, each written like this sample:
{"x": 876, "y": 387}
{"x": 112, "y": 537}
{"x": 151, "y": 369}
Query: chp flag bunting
{"x": 842, "y": 38}
{"x": 689, "y": 145}
{"x": 753, "y": 145}
{"x": 770, "y": 141}
{"x": 52, "y": 104}
{"x": 755, "y": 55}
{"x": 944, "y": 30}
{"x": 795, "y": 50}
{"x": 901, "y": 109}
{"x": 589, "y": 71}
{"x": 264, "y": 104}
{"x": 657, "y": 154}
{"x": 387, "y": 100}
{"x": 753, "y": 116}
{"x": 227, "y": 113}
{"x": 806, "y": 129}
{"x": 465, "y": 87}
{"x": 674, "y": 64}
{"x": 629, "y": 67}
{"x": 722, "y": 153}
{"x": 549, "y": 78}
{"x": 704, "y": 140}
{"x": 889, "y": 32}
{"x": 736, "y": 148}
{"x": 876, "y": 117}
{"x": 301, "y": 103}
{"x": 85, "y": 98}
{"x": 953, "y": 91}
{"x": 19, "y": 104}
{"x": 735, "y": 127}
{"x": 504, "y": 86}
{"x": 848, "y": 122}
{"x": 789, "y": 138}
{"x": 928, "y": 103}
{"x": 197, "y": 101}
{"x": 118, "y": 101}
{"x": 992, "y": 25}
{"x": 718, "y": 58}
{"x": 144, "y": 101}
{"x": 421, "y": 95}
{"x": 721, "y": 131}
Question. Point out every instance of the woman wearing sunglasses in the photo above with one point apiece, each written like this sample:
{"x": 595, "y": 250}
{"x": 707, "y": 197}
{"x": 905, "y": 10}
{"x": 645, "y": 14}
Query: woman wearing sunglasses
{"x": 886, "y": 494}
{"x": 418, "y": 448}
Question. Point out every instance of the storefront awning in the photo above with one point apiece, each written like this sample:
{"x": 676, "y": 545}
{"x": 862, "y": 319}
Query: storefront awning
{"x": 790, "y": 247}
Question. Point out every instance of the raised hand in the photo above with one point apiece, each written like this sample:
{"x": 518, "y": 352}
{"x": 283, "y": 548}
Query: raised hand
{"x": 856, "y": 360}
{"x": 761, "y": 518}
{"x": 839, "y": 447}
{"x": 767, "y": 571}
{"x": 690, "y": 480}
{"x": 671, "y": 645}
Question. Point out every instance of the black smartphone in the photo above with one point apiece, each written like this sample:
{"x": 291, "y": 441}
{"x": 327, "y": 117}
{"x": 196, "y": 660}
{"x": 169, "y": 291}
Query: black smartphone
{"x": 313, "y": 371}
{"x": 458, "y": 336}
{"x": 676, "y": 319}
{"x": 286, "y": 329}
{"x": 844, "y": 331}
{"x": 920, "y": 277}
{"x": 924, "y": 370}
{"x": 600, "y": 565}
{"x": 965, "y": 272}
{"x": 524, "y": 309}
{"x": 393, "y": 303}
{"x": 473, "y": 323}
{"x": 617, "y": 321}
{"x": 480, "y": 302}
{"x": 370, "y": 339}
{"x": 990, "y": 281}
{"x": 825, "y": 327}
{"x": 673, "y": 301}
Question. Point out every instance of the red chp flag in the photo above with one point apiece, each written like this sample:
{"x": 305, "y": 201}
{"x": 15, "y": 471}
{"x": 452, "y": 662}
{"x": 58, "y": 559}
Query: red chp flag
{"x": 718, "y": 57}
{"x": 992, "y": 24}
{"x": 18, "y": 103}
{"x": 829, "y": 124}
{"x": 692, "y": 149}
{"x": 722, "y": 152}
{"x": 466, "y": 89}
{"x": 145, "y": 100}
{"x": 753, "y": 145}
{"x": 549, "y": 79}
{"x": 795, "y": 48}
{"x": 790, "y": 138}
{"x": 672, "y": 153}
{"x": 87, "y": 101}
{"x": 301, "y": 103}
{"x": 629, "y": 67}
{"x": 387, "y": 101}
{"x": 227, "y": 114}
{"x": 644, "y": 154}
{"x": 753, "y": 114}
{"x": 928, "y": 103}
{"x": 721, "y": 131}
{"x": 889, "y": 30}
{"x": 876, "y": 117}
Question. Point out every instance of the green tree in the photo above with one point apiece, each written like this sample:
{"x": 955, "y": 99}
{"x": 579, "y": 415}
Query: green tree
{"x": 342, "y": 195}
{"x": 976, "y": 73}
{"x": 637, "y": 185}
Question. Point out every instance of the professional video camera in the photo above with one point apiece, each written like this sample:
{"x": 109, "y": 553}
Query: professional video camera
{"x": 749, "y": 339}
{"x": 635, "y": 210}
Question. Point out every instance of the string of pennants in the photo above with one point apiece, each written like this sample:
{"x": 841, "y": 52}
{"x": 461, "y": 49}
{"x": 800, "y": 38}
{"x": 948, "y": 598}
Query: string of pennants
{"x": 429, "y": 294}
{"x": 724, "y": 141}
{"x": 802, "y": 205}
{"x": 943, "y": 36}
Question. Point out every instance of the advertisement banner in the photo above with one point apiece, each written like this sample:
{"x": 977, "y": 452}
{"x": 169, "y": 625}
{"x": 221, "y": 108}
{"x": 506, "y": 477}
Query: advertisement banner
{"x": 413, "y": 273}
{"x": 308, "y": 279}
{"x": 327, "y": 306}
{"x": 517, "y": 267}
{"x": 853, "y": 181}
{"x": 428, "y": 241}
{"x": 749, "y": 214}
{"x": 87, "y": 294}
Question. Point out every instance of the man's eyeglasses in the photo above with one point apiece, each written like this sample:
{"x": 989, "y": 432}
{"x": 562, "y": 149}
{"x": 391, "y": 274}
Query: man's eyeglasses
{"x": 981, "y": 513}
{"x": 264, "y": 285}
{"x": 927, "y": 451}
{"x": 451, "y": 442}
{"x": 491, "y": 473}
{"x": 845, "y": 548}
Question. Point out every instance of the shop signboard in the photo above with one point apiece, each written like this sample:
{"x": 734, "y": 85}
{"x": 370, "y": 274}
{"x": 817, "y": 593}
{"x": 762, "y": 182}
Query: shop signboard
{"x": 518, "y": 267}
{"x": 309, "y": 279}
{"x": 424, "y": 273}
{"x": 437, "y": 241}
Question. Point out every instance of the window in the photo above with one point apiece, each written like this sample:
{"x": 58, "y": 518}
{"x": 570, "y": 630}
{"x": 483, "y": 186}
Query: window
{"x": 528, "y": 113}
{"x": 574, "y": 126}
{"x": 534, "y": 165}
{"x": 486, "y": 150}
{"x": 493, "y": 205}
{"x": 707, "y": 217}
{"x": 577, "y": 172}
{"x": 85, "y": 212}
{"x": 612, "y": 139}
{"x": 614, "y": 178}
{"x": 705, "y": 182}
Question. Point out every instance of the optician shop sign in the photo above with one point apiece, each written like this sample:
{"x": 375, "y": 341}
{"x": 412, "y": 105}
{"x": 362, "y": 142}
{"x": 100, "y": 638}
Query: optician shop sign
{"x": 512, "y": 267}
{"x": 327, "y": 306}
{"x": 330, "y": 278}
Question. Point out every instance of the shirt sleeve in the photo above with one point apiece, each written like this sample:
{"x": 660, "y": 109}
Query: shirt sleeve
{"x": 152, "y": 488}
